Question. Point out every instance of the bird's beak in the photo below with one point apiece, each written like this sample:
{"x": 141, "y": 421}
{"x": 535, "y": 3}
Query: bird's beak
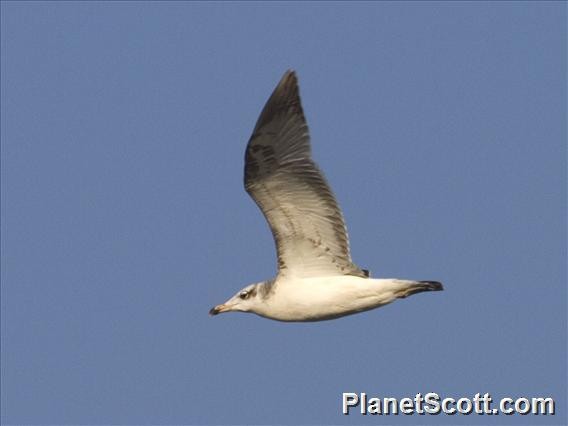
{"x": 219, "y": 309}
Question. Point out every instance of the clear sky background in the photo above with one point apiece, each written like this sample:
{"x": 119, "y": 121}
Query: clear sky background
{"x": 440, "y": 126}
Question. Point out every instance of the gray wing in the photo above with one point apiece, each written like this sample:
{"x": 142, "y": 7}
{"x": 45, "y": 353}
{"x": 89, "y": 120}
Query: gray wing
{"x": 281, "y": 177}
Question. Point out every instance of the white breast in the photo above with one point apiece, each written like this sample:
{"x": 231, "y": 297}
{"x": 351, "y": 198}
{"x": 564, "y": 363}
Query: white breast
{"x": 316, "y": 299}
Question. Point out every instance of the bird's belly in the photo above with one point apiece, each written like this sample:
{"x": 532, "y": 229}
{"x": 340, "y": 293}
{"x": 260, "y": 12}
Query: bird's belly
{"x": 318, "y": 299}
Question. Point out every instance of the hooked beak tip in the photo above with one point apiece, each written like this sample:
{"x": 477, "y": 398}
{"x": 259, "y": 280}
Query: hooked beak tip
{"x": 217, "y": 310}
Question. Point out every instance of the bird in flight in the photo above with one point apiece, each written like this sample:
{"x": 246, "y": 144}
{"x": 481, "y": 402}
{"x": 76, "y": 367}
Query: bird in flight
{"x": 316, "y": 279}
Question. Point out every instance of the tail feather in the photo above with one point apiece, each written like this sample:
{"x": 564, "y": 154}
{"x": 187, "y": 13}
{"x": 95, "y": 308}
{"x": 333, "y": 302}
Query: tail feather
{"x": 432, "y": 285}
{"x": 421, "y": 286}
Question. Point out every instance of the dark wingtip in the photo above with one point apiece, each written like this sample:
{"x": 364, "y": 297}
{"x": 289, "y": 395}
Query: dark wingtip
{"x": 288, "y": 83}
{"x": 433, "y": 285}
{"x": 213, "y": 311}
{"x": 289, "y": 73}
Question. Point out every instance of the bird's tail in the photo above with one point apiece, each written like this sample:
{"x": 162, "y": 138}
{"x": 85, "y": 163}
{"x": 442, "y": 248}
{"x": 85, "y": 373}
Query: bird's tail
{"x": 420, "y": 286}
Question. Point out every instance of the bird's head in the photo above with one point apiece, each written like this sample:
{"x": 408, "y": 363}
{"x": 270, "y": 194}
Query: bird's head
{"x": 245, "y": 301}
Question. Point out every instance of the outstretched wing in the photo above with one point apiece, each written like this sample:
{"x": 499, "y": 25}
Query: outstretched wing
{"x": 281, "y": 177}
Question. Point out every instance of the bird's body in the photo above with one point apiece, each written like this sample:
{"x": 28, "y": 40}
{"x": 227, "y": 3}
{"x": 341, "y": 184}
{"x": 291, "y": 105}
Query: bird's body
{"x": 317, "y": 279}
{"x": 324, "y": 298}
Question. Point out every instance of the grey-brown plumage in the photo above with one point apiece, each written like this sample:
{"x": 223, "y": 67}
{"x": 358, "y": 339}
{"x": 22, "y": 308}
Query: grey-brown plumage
{"x": 280, "y": 175}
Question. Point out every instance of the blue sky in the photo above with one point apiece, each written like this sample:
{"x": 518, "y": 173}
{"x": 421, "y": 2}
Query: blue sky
{"x": 440, "y": 126}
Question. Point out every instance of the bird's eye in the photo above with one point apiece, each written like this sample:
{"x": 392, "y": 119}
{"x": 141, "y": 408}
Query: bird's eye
{"x": 244, "y": 295}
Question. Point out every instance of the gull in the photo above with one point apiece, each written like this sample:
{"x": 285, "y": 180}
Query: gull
{"x": 316, "y": 278}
